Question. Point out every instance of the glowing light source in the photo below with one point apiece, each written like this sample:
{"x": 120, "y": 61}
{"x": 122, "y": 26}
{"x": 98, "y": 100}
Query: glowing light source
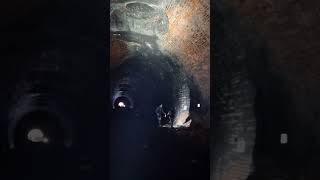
{"x": 185, "y": 108}
{"x": 122, "y": 104}
{"x": 36, "y": 136}
{"x": 284, "y": 138}
{"x": 198, "y": 105}
{"x": 149, "y": 45}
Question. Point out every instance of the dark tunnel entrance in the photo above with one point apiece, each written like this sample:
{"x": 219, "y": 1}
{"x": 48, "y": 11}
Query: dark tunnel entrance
{"x": 144, "y": 83}
{"x": 140, "y": 147}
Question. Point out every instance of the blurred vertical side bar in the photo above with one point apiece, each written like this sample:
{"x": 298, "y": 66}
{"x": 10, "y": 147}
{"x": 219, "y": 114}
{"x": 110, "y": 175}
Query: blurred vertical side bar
{"x": 233, "y": 123}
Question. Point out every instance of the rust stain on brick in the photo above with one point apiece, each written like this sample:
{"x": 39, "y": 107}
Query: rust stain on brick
{"x": 119, "y": 50}
{"x": 188, "y": 38}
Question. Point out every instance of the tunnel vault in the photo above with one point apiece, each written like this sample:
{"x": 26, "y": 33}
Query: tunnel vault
{"x": 140, "y": 28}
{"x": 150, "y": 81}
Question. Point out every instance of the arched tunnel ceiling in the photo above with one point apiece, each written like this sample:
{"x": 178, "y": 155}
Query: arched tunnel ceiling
{"x": 188, "y": 38}
{"x": 185, "y": 35}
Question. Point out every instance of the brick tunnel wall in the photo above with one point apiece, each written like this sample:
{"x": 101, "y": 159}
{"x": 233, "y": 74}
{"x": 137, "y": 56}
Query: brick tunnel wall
{"x": 291, "y": 31}
{"x": 188, "y": 38}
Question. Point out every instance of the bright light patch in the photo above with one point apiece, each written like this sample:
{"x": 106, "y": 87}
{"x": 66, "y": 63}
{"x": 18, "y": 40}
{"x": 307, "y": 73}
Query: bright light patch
{"x": 45, "y": 140}
{"x": 121, "y": 104}
{"x": 185, "y": 108}
{"x": 198, "y": 105}
{"x": 36, "y": 135}
{"x": 149, "y": 45}
{"x": 284, "y": 138}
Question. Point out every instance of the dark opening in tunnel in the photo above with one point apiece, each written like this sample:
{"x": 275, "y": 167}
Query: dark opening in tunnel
{"x": 147, "y": 82}
{"x": 140, "y": 148}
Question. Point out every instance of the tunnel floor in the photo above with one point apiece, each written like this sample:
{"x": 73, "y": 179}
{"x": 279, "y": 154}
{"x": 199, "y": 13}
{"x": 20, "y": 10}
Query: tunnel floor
{"x": 139, "y": 152}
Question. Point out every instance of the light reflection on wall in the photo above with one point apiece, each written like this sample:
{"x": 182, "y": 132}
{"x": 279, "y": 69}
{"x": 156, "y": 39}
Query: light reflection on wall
{"x": 188, "y": 38}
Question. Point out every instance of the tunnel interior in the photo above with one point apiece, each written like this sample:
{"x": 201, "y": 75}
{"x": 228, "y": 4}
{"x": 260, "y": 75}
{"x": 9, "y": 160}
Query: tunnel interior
{"x": 142, "y": 79}
{"x": 284, "y": 146}
{"x": 279, "y": 142}
{"x": 52, "y": 67}
{"x": 159, "y": 125}
{"x": 145, "y": 82}
{"x": 261, "y": 128}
